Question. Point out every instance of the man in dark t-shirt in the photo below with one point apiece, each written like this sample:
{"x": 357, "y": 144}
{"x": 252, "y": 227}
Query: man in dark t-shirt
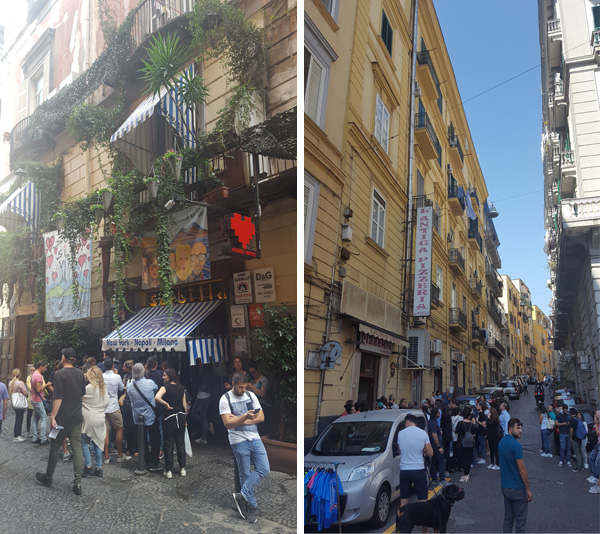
{"x": 66, "y": 418}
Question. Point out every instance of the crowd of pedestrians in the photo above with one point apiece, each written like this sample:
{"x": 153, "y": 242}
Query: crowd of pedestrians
{"x": 94, "y": 410}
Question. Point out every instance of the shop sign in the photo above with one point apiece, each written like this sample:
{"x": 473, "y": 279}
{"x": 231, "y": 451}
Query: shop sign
{"x": 241, "y": 236}
{"x": 240, "y": 346}
{"x": 371, "y": 343}
{"x": 255, "y": 314}
{"x": 264, "y": 284}
{"x": 422, "y": 286}
{"x": 242, "y": 287}
{"x": 238, "y": 317}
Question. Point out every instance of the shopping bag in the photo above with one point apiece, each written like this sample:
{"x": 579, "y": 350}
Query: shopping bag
{"x": 188, "y": 445}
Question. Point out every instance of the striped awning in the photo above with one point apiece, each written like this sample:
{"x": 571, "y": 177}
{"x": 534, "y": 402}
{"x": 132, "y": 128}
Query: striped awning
{"x": 151, "y": 328}
{"x": 207, "y": 349}
{"x": 137, "y": 136}
{"x": 22, "y": 207}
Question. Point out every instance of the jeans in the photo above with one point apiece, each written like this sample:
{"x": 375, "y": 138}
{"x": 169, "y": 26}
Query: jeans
{"x": 565, "y": 450}
{"x": 18, "y": 422}
{"x": 247, "y": 453}
{"x": 199, "y": 414}
{"x": 39, "y": 414}
{"x": 515, "y": 509}
{"x": 594, "y": 461}
{"x": 576, "y": 446}
{"x": 546, "y": 440}
{"x": 86, "y": 443}
{"x": 481, "y": 446}
{"x": 178, "y": 437}
{"x": 72, "y": 432}
{"x": 438, "y": 464}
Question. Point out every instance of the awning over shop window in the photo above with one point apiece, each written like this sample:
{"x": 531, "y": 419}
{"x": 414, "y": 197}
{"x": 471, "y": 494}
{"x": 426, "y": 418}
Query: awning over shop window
{"x": 150, "y": 328}
{"x": 22, "y": 207}
{"x": 137, "y": 137}
{"x": 207, "y": 349}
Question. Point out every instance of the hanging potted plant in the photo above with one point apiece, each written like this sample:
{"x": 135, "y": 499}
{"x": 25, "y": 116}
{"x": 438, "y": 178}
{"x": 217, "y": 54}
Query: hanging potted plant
{"x": 276, "y": 352}
{"x": 152, "y": 185}
{"x": 98, "y": 211}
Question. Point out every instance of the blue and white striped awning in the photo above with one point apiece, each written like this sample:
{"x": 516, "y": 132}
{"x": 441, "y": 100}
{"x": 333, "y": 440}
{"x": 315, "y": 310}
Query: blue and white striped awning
{"x": 136, "y": 136}
{"x": 151, "y": 329}
{"x": 22, "y": 207}
{"x": 207, "y": 349}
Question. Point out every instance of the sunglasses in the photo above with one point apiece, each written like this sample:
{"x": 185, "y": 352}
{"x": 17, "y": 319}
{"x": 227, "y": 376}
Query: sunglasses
{"x": 518, "y": 423}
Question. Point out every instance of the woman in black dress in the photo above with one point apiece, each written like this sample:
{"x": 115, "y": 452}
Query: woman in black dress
{"x": 465, "y": 454}
{"x": 171, "y": 396}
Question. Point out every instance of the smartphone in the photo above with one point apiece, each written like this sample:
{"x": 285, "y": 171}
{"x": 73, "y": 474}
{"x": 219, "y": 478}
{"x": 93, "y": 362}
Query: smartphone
{"x": 255, "y": 411}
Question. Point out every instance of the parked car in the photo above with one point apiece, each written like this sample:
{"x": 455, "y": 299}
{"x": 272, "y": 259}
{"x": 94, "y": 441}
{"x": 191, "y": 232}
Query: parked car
{"x": 463, "y": 400}
{"x": 368, "y": 464}
{"x": 511, "y": 389}
{"x": 494, "y": 396}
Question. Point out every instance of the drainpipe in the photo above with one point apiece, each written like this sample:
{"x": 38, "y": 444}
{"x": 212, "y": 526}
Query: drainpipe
{"x": 411, "y": 157}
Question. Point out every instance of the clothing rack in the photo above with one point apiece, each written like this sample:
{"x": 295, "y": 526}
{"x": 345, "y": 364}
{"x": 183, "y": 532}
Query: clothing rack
{"x": 327, "y": 465}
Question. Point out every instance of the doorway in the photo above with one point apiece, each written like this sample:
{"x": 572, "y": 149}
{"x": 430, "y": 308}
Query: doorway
{"x": 367, "y": 384}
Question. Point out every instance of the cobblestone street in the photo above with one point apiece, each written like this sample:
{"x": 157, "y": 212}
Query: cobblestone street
{"x": 123, "y": 502}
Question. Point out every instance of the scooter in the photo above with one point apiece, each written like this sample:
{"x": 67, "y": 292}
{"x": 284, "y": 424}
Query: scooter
{"x": 539, "y": 399}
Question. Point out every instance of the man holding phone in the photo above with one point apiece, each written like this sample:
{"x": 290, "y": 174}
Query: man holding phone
{"x": 241, "y": 411}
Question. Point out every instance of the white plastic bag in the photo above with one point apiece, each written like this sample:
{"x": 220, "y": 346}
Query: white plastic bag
{"x": 188, "y": 444}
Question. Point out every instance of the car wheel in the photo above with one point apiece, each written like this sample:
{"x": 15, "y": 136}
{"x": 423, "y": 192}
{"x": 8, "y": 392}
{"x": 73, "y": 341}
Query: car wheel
{"x": 382, "y": 507}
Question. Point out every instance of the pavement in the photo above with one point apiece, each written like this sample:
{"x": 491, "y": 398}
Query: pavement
{"x": 122, "y": 502}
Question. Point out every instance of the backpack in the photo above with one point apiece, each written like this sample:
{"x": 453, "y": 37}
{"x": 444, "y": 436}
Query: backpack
{"x": 468, "y": 439}
{"x": 580, "y": 433}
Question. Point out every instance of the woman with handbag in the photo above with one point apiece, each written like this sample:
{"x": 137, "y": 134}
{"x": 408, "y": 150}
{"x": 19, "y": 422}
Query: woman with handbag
{"x": 18, "y": 397}
{"x": 465, "y": 442}
{"x": 172, "y": 397}
{"x": 93, "y": 429}
{"x": 546, "y": 426}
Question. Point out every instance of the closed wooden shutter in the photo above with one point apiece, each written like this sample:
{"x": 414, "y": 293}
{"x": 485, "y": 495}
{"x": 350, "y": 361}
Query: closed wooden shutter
{"x": 596, "y": 13}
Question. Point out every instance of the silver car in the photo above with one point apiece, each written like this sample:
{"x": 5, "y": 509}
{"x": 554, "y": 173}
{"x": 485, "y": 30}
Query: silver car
{"x": 364, "y": 447}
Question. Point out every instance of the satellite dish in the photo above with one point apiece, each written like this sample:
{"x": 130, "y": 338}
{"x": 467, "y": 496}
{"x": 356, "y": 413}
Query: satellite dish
{"x": 330, "y": 352}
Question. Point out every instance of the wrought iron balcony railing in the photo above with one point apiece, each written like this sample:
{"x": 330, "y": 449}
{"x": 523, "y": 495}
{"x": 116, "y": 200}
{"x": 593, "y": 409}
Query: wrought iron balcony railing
{"x": 456, "y": 257}
{"x": 458, "y": 318}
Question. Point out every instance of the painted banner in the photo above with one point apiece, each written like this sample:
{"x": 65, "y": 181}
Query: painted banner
{"x": 422, "y": 291}
{"x": 60, "y": 301}
{"x": 189, "y": 249}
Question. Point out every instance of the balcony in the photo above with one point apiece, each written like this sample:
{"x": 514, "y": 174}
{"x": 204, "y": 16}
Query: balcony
{"x": 476, "y": 335}
{"x": 495, "y": 311}
{"x": 526, "y": 339}
{"x": 580, "y": 213}
{"x": 457, "y": 206}
{"x": 493, "y": 282}
{"x": 457, "y": 262}
{"x": 568, "y": 174}
{"x": 595, "y": 45}
{"x": 27, "y": 142}
{"x": 426, "y": 75}
{"x": 456, "y": 154}
{"x": 533, "y": 350}
{"x": 458, "y": 320}
{"x": 435, "y": 295}
{"x": 475, "y": 285}
{"x": 474, "y": 237}
{"x": 559, "y": 93}
{"x": 496, "y": 348}
{"x": 425, "y": 136}
{"x": 422, "y": 201}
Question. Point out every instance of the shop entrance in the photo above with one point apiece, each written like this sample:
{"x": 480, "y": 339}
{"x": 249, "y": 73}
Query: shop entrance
{"x": 367, "y": 384}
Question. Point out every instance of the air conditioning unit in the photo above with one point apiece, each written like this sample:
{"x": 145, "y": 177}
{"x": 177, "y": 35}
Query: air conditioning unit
{"x": 461, "y": 357}
{"x": 436, "y": 362}
{"x": 436, "y": 346}
{"x": 418, "y": 350}
{"x": 419, "y": 321}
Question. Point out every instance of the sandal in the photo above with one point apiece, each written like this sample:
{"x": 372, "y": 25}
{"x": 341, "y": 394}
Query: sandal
{"x": 466, "y": 478}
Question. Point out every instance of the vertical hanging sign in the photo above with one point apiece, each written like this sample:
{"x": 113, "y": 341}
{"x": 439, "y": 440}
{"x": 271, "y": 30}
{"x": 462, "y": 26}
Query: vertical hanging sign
{"x": 422, "y": 286}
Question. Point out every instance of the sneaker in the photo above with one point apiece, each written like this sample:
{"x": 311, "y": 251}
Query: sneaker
{"x": 481, "y": 461}
{"x": 124, "y": 458}
{"x": 167, "y": 474}
{"x": 161, "y": 455}
{"x": 97, "y": 472}
{"x": 575, "y": 470}
{"x": 496, "y": 468}
{"x": 77, "y": 489}
{"x": 560, "y": 464}
{"x": 540, "y": 451}
{"x": 201, "y": 440}
{"x": 156, "y": 468}
{"x": 107, "y": 460}
{"x": 251, "y": 515}
{"x": 447, "y": 474}
{"x": 490, "y": 466}
{"x": 42, "y": 478}
{"x": 67, "y": 457}
{"x": 182, "y": 472}
{"x": 569, "y": 464}
{"x": 586, "y": 466}
{"x": 87, "y": 471}
{"x": 592, "y": 480}
{"x": 45, "y": 442}
{"x": 241, "y": 504}
{"x": 18, "y": 439}
{"x": 595, "y": 489}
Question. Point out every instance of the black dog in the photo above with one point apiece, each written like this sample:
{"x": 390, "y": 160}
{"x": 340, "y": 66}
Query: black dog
{"x": 433, "y": 513}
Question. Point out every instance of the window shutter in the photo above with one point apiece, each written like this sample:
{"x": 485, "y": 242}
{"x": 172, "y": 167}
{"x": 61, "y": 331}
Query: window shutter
{"x": 23, "y": 99}
{"x": 313, "y": 88}
{"x": 385, "y": 131}
{"x": 596, "y": 13}
{"x": 378, "y": 118}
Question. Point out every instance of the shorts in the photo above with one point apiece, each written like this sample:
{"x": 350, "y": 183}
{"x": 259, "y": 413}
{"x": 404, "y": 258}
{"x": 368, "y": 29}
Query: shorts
{"x": 115, "y": 418}
{"x": 418, "y": 477}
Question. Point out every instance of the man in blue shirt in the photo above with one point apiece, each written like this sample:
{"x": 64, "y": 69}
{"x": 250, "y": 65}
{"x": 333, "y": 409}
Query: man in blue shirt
{"x": 563, "y": 421}
{"x": 513, "y": 478}
{"x": 504, "y": 417}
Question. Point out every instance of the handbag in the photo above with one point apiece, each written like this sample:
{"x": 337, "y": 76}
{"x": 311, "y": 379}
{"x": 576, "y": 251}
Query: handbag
{"x": 47, "y": 406}
{"x": 550, "y": 424}
{"x": 18, "y": 400}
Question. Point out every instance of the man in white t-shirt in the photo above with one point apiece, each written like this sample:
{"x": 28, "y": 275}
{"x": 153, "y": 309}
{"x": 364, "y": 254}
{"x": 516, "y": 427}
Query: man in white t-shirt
{"x": 241, "y": 412}
{"x": 413, "y": 444}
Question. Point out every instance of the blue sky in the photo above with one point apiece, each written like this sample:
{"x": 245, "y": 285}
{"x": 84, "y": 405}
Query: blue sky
{"x": 489, "y": 43}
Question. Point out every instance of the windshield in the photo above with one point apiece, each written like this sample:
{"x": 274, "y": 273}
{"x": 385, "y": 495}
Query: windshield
{"x": 507, "y": 384}
{"x": 354, "y": 439}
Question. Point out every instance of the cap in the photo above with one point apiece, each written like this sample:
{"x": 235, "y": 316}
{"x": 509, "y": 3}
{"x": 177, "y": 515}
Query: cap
{"x": 69, "y": 354}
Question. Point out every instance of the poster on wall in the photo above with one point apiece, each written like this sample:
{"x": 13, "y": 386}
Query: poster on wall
{"x": 238, "y": 317}
{"x": 240, "y": 346}
{"x": 242, "y": 287}
{"x": 189, "y": 249}
{"x": 264, "y": 284}
{"x": 60, "y": 293}
{"x": 422, "y": 291}
{"x": 255, "y": 315}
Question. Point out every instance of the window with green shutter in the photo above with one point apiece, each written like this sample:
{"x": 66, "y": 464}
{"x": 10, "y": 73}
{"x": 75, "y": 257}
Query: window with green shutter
{"x": 387, "y": 34}
{"x": 596, "y": 13}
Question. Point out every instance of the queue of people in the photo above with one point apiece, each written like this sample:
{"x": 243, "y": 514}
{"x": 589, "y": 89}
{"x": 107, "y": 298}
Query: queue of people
{"x": 93, "y": 405}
